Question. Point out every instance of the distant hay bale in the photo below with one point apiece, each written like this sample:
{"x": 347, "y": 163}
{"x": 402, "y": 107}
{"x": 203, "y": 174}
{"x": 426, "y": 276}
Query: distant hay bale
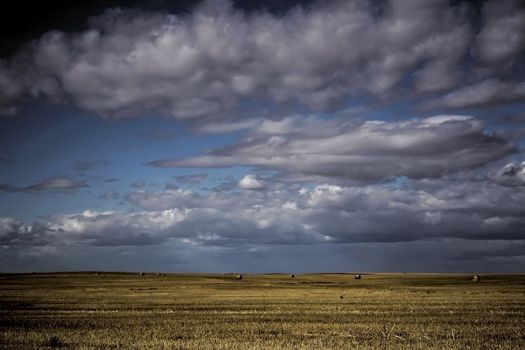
{"x": 142, "y": 274}
{"x": 476, "y": 278}
{"x": 239, "y": 277}
{"x": 357, "y": 277}
{"x": 292, "y": 276}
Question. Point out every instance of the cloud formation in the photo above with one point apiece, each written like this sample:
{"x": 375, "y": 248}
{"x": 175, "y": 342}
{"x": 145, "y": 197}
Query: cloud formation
{"x": 340, "y": 185}
{"x": 511, "y": 174}
{"x": 489, "y": 92}
{"x": 502, "y": 38}
{"x": 57, "y": 183}
{"x": 250, "y": 182}
{"x": 430, "y": 210}
{"x": 205, "y": 63}
{"x": 368, "y": 151}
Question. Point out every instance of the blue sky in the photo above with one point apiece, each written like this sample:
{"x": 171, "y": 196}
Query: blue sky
{"x": 310, "y": 136}
{"x": 110, "y": 156}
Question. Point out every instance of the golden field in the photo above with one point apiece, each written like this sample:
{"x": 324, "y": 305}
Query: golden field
{"x": 272, "y": 311}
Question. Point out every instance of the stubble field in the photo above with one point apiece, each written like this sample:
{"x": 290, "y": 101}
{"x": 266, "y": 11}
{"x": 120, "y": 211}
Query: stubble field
{"x": 313, "y": 311}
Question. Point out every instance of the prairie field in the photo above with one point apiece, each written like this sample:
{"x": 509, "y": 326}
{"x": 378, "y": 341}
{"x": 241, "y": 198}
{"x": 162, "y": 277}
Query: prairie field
{"x": 270, "y": 311}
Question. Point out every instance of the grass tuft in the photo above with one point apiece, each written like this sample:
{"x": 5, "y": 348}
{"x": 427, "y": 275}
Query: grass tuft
{"x": 54, "y": 342}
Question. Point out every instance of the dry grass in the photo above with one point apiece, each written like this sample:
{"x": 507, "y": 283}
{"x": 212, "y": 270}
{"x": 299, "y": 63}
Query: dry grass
{"x": 333, "y": 311}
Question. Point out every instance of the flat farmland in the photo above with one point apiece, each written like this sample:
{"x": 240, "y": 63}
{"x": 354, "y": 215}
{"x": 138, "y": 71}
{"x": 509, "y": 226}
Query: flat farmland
{"x": 272, "y": 311}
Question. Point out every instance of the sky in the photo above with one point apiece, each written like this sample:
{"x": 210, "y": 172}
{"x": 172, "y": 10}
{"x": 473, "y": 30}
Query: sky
{"x": 270, "y": 136}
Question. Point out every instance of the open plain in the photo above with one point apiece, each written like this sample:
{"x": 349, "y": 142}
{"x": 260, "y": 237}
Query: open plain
{"x": 272, "y": 311}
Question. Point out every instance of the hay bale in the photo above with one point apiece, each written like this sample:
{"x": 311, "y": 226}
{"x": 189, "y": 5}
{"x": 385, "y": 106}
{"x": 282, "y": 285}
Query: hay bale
{"x": 476, "y": 278}
{"x": 142, "y": 274}
{"x": 292, "y": 276}
{"x": 239, "y": 277}
{"x": 357, "y": 277}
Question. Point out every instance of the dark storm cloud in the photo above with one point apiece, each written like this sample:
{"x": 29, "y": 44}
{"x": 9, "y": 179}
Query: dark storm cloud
{"x": 502, "y": 38}
{"x": 57, "y": 183}
{"x": 202, "y": 64}
{"x": 370, "y": 151}
{"x": 15, "y": 233}
{"x": 9, "y": 228}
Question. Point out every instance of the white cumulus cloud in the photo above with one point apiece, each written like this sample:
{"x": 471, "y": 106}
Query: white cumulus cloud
{"x": 250, "y": 182}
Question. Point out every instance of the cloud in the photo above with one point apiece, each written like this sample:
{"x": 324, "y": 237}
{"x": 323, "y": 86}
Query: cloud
{"x": 502, "y": 38}
{"x": 15, "y": 232}
{"x": 11, "y": 89}
{"x": 250, "y": 182}
{"x": 511, "y": 174}
{"x": 204, "y": 64}
{"x": 111, "y": 229}
{"x": 428, "y": 210}
{"x": 8, "y": 227}
{"x": 488, "y": 92}
{"x": 57, "y": 183}
{"x": 394, "y": 193}
{"x": 368, "y": 151}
